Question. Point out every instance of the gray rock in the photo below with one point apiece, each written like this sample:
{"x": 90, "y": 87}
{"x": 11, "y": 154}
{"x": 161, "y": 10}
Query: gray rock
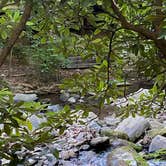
{"x": 111, "y": 121}
{"x": 155, "y": 124}
{"x": 25, "y": 97}
{"x": 133, "y": 127}
{"x": 54, "y": 108}
{"x": 36, "y": 121}
{"x": 94, "y": 126}
{"x": 51, "y": 159}
{"x": 64, "y": 96}
{"x": 121, "y": 142}
{"x": 158, "y": 142}
{"x": 99, "y": 141}
{"x": 124, "y": 156}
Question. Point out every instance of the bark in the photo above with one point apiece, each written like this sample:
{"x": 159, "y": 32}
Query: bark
{"x": 160, "y": 43}
{"x": 16, "y": 32}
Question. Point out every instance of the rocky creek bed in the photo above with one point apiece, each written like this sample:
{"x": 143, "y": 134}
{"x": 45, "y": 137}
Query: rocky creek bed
{"x": 111, "y": 141}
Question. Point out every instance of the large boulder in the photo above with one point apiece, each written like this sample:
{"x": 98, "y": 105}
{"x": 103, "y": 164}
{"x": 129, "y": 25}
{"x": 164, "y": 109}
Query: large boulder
{"x": 158, "y": 142}
{"x": 25, "y": 97}
{"x": 125, "y": 156}
{"x": 133, "y": 127}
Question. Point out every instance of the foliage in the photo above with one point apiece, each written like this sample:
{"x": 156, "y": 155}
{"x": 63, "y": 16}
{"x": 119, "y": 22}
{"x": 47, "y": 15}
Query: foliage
{"x": 16, "y": 129}
{"x": 120, "y": 35}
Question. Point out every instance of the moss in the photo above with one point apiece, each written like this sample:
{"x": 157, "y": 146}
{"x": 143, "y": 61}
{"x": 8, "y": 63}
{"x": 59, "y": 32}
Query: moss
{"x": 139, "y": 159}
{"x": 160, "y": 154}
{"x": 122, "y": 142}
{"x": 152, "y": 133}
{"x": 130, "y": 156}
{"x": 114, "y": 134}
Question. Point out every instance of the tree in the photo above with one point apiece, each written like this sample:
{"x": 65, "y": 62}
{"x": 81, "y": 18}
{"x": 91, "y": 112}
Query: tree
{"x": 16, "y": 31}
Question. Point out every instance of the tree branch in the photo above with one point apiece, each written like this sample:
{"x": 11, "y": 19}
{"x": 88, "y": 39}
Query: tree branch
{"x": 16, "y": 32}
{"x": 127, "y": 25}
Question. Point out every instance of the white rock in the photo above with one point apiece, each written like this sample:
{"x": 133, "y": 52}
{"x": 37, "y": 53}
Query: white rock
{"x": 158, "y": 142}
{"x": 25, "y": 97}
{"x": 71, "y": 100}
{"x": 133, "y": 127}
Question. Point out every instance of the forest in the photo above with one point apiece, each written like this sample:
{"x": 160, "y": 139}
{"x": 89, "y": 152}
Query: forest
{"x": 83, "y": 82}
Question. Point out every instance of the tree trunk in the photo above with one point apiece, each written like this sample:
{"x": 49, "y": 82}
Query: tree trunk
{"x": 16, "y": 32}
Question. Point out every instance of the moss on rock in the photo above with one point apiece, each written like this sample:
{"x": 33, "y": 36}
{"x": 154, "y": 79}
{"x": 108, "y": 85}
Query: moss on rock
{"x": 160, "y": 154}
{"x": 114, "y": 134}
{"x": 125, "y": 156}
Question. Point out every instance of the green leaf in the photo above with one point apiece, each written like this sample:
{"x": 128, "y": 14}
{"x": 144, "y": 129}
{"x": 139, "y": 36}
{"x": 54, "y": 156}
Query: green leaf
{"x": 96, "y": 41}
{"x": 56, "y": 153}
{"x": 4, "y": 35}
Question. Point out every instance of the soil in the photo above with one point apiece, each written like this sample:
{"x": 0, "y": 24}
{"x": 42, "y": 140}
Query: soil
{"x": 22, "y": 78}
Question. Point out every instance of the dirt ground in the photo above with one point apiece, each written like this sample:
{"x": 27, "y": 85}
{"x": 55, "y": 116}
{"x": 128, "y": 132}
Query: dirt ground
{"x": 24, "y": 79}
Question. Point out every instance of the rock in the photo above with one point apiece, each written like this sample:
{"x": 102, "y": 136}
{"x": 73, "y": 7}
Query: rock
{"x": 54, "y": 108}
{"x": 64, "y": 96}
{"x": 154, "y": 124}
{"x": 156, "y": 163}
{"x": 84, "y": 147}
{"x": 94, "y": 126}
{"x": 158, "y": 142}
{"x": 105, "y": 131}
{"x": 159, "y": 154}
{"x": 154, "y": 132}
{"x": 133, "y": 127}
{"x": 111, "y": 121}
{"x": 125, "y": 156}
{"x": 100, "y": 142}
{"x": 36, "y": 121}
{"x": 25, "y": 97}
{"x": 51, "y": 159}
{"x": 72, "y": 100}
{"x": 122, "y": 102}
{"x": 121, "y": 142}
{"x": 67, "y": 154}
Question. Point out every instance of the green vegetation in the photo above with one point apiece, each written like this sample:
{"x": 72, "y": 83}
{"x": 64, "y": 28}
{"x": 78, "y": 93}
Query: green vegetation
{"x": 122, "y": 36}
{"x": 160, "y": 154}
{"x": 16, "y": 128}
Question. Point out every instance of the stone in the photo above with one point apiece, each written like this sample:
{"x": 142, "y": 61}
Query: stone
{"x": 154, "y": 132}
{"x": 67, "y": 154}
{"x": 121, "y": 142}
{"x": 125, "y": 156}
{"x": 94, "y": 126}
{"x": 51, "y": 159}
{"x": 64, "y": 96}
{"x": 123, "y": 102}
{"x": 99, "y": 142}
{"x": 106, "y": 131}
{"x": 25, "y": 97}
{"x": 36, "y": 121}
{"x": 72, "y": 100}
{"x": 54, "y": 108}
{"x": 158, "y": 142}
{"x": 154, "y": 124}
{"x": 133, "y": 127}
{"x": 111, "y": 121}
